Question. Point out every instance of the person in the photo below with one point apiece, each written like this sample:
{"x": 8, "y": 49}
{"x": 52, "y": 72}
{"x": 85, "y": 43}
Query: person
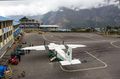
{"x": 31, "y": 44}
{"x": 3, "y": 68}
{"x": 19, "y": 57}
{"x": 28, "y": 51}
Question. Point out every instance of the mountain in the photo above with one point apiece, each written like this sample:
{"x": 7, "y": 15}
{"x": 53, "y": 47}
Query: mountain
{"x": 75, "y": 18}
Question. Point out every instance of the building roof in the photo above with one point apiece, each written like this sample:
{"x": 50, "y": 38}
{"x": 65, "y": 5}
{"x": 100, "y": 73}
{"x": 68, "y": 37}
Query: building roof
{"x": 24, "y": 18}
{"x": 4, "y": 18}
{"x": 15, "y": 23}
{"x": 7, "y": 19}
{"x": 49, "y": 26}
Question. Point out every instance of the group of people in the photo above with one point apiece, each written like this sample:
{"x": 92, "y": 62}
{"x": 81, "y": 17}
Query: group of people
{"x": 16, "y": 55}
{"x": 27, "y": 51}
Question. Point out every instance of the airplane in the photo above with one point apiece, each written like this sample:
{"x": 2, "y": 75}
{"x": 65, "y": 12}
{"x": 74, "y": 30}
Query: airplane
{"x": 57, "y": 52}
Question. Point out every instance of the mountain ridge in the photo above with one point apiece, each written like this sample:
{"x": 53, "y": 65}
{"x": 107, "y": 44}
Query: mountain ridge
{"x": 94, "y": 17}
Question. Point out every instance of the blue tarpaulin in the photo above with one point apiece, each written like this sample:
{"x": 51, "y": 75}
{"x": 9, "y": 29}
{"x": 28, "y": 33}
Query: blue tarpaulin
{"x": 2, "y": 70}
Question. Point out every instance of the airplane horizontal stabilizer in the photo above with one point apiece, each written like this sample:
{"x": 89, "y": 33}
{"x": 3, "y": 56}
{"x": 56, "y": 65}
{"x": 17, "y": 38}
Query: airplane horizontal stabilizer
{"x": 63, "y": 63}
{"x": 75, "y": 45}
{"x": 75, "y": 61}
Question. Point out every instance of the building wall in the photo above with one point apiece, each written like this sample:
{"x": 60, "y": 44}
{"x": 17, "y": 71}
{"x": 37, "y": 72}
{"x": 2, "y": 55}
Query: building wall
{"x": 6, "y": 33}
{"x": 17, "y": 31}
{"x": 49, "y": 28}
{"x": 26, "y": 23}
{"x": 29, "y": 25}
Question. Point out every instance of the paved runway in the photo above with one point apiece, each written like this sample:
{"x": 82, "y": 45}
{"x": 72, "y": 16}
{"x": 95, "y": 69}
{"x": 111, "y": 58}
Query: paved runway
{"x": 100, "y": 59}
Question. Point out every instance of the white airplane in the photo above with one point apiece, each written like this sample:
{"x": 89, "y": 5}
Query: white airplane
{"x": 57, "y": 52}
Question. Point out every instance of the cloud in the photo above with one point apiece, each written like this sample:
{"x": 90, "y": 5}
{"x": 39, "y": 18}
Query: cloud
{"x": 30, "y": 7}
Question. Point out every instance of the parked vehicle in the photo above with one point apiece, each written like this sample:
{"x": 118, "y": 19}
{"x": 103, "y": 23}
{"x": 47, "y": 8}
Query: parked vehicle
{"x": 14, "y": 60}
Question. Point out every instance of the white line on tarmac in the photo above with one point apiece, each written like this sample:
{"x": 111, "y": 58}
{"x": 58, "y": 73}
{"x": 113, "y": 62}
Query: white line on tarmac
{"x": 86, "y": 69}
{"x": 45, "y": 38}
{"x": 48, "y": 39}
{"x": 70, "y": 42}
{"x": 112, "y": 43}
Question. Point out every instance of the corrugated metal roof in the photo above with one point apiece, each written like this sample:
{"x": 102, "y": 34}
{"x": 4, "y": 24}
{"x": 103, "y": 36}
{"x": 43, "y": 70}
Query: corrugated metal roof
{"x": 4, "y": 18}
{"x": 49, "y": 26}
{"x": 15, "y": 23}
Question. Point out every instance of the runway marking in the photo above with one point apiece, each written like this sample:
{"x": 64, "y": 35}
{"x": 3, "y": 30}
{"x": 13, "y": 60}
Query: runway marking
{"x": 86, "y": 69}
{"x": 45, "y": 38}
{"x": 69, "y": 42}
{"x": 114, "y": 44}
{"x": 48, "y": 39}
{"x": 87, "y": 41}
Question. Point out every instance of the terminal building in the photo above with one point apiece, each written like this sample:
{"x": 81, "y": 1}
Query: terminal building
{"x": 26, "y": 23}
{"x": 6, "y": 34}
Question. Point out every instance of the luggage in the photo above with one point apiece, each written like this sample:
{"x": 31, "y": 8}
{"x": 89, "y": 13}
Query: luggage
{"x": 14, "y": 60}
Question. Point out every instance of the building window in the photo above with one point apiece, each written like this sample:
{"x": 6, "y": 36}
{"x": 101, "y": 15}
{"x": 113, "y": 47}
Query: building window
{"x": 10, "y": 33}
{"x": 5, "y": 36}
{"x": 4, "y": 25}
{"x": 8, "y": 24}
{"x": 0, "y": 25}
{"x": 0, "y": 38}
{"x": 11, "y": 23}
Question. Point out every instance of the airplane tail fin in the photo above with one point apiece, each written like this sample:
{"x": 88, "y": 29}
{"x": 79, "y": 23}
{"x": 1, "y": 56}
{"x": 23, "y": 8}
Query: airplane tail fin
{"x": 69, "y": 60}
{"x": 69, "y": 53}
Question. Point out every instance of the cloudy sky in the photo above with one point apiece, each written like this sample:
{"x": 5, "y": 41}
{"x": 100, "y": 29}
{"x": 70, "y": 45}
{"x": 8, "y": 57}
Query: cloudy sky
{"x": 35, "y": 7}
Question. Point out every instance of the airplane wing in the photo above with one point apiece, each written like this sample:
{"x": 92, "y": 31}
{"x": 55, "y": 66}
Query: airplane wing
{"x": 53, "y": 46}
{"x": 42, "y": 47}
{"x": 75, "y": 45}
